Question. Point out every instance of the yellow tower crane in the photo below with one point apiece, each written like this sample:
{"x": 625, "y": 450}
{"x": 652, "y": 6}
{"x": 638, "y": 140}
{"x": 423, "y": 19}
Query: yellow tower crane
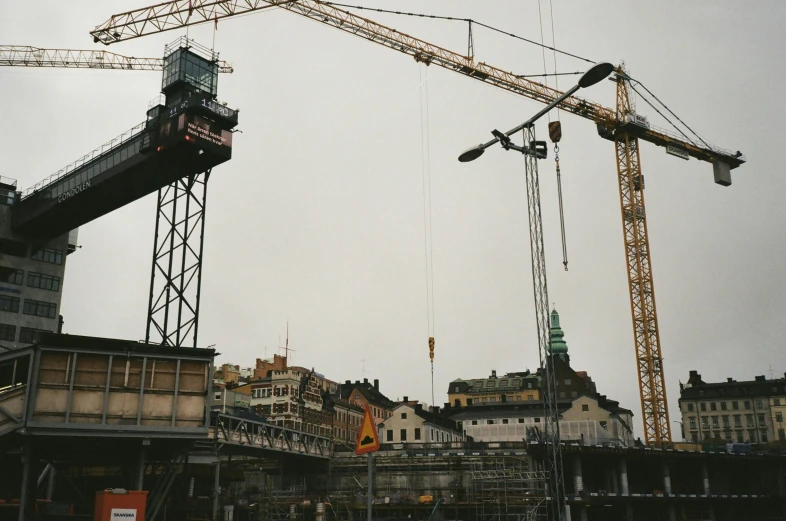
{"x": 621, "y": 125}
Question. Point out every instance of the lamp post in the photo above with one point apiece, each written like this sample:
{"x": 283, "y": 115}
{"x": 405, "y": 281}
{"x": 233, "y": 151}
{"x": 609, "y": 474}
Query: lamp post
{"x": 596, "y": 74}
{"x": 534, "y": 150}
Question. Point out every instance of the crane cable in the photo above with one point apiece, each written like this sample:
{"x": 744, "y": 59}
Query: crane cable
{"x": 555, "y": 127}
{"x": 425, "y": 154}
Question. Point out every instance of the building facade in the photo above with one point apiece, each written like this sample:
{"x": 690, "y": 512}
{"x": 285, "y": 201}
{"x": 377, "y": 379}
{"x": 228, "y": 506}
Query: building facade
{"x": 347, "y": 419}
{"x": 509, "y": 408}
{"x": 367, "y": 394}
{"x": 732, "y": 411}
{"x": 410, "y": 423}
{"x": 32, "y": 274}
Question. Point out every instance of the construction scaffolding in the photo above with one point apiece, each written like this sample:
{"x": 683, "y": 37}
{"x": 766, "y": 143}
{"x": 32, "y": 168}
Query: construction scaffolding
{"x": 504, "y": 490}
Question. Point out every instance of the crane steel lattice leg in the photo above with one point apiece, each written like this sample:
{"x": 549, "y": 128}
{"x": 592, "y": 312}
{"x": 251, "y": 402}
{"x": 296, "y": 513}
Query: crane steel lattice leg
{"x": 649, "y": 360}
{"x": 540, "y": 290}
{"x": 175, "y": 281}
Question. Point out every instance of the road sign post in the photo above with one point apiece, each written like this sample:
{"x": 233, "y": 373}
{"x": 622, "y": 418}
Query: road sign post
{"x": 368, "y": 443}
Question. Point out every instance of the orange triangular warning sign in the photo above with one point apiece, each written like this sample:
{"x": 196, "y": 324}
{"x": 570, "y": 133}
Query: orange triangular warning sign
{"x": 368, "y": 440}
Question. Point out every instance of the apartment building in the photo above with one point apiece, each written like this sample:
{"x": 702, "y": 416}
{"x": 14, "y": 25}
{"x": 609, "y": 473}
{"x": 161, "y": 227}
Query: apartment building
{"x": 412, "y": 423}
{"x": 732, "y": 411}
{"x": 368, "y": 394}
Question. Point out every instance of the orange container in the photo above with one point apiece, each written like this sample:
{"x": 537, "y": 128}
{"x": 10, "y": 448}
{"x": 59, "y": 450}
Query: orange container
{"x": 120, "y": 505}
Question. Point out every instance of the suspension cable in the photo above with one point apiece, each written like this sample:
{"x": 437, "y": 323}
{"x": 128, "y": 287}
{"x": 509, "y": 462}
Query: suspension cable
{"x": 451, "y": 18}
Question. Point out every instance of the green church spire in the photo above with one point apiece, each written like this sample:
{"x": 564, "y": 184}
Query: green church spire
{"x": 557, "y": 344}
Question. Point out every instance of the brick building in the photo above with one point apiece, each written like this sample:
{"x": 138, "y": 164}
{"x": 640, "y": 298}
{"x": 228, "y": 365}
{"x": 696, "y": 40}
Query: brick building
{"x": 365, "y": 393}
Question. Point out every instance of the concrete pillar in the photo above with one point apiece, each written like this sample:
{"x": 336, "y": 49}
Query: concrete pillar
{"x": 666, "y": 478}
{"x": 705, "y": 478}
{"x": 216, "y": 488}
{"x": 139, "y": 484}
{"x": 672, "y": 513}
{"x": 583, "y": 514}
{"x": 50, "y": 483}
{"x": 578, "y": 479}
{"x": 629, "y": 512}
{"x": 615, "y": 487}
{"x": 623, "y": 468}
{"x": 28, "y": 488}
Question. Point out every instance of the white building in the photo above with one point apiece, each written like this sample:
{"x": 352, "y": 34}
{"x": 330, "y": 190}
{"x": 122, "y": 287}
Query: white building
{"x": 410, "y": 423}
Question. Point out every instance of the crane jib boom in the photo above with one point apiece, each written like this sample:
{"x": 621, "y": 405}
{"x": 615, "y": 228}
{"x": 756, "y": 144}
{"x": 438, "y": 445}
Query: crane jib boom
{"x": 27, "y": 56}
{"x": 176, "y": 14}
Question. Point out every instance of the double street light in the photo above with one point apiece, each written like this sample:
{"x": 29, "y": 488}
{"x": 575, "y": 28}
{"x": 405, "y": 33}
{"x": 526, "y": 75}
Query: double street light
{"x": 596, "y": 74}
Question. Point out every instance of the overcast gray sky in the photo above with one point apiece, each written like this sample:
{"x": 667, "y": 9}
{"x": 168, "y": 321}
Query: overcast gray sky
{"x": 318, "y": 218}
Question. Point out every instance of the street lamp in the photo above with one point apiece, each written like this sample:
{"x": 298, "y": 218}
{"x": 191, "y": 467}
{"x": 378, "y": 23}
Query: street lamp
{"x": 596, "y": 74}
{"x": 534, "y": 150}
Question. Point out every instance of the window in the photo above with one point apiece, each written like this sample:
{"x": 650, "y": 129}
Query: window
{"x": 403, "y": 416}
{"x": 503, "y": 383}
{"x": 403, "y": 434}
{"x": 493, "y": 399}
{"x": 567, "y": 381}
{"x": 584, "y": 407}
{"x": 715, "y": 423}
{"x": 723, "y": 406}
{"x": 737, "y": 420}
{"x": 456, "y": 389}
{"x": 747, "y": 404}
{"x": 15, "y": 248}
{"x": 713, "y": 406}
{"x": 27, "y": 334}
{"x": 11, "y": 275}
{"x": 389, "y": 435}
{"x": 10, "y": 304}
{"x": 692, "y": 423}
{"x": 490, "y": 422}
{"x": 764, "y": 437}
{"x": 504, "y": 421}
{"x": 694, "y": 438}
{"x": 39, "y": 280}
{"x": 690, "y": 407}
{"x": 49, "y": 255}
{"x": 705, "y": 423}
{"x": 759, "y": 404}
{"x": 761, "y": 420}
{"x": 217, "y": 397}
{"x": 749, "y": 420}
{"x": 521, "y": 420}
{"x": 776, "y": 401}
{"x": 562, "y": 394}
{"x": 518, "y": 398}
{"x": 474, "y": 422}
{"x": 39, "y": 309}
{"x": 529, "y": 385}
{"x": 740, "y": 437}
{"x": 417, "y": 433}
{"x": 537, "y": 420}
{"x": 779, "y": 417}
{"x": 8, "y": 332}
{"x": 726, "y": 424}
{"x": 484, "y": 400}
{"x": 530, "y": 397}
{"x": 703, "y": 406}
{"x": 735, "y": 405}
{"x": 603, "y": 423}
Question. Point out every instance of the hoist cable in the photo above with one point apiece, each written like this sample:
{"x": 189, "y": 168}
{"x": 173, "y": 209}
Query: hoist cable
{"x": 561, "y": 212}
{"x": 553, "y": 46}
{"x": 543, "y": 50}
{"x": 451, "y": 18}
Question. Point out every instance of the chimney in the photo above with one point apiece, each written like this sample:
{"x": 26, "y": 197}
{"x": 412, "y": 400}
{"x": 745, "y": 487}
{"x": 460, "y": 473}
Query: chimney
{"x": 365, "y": 380}
{"x": 729, "y": 380}
{"x": 493, "y": 373}
{"x": 760, "y": 378}
{"x": 693, "y": 372}
{"x": 435, "y": 410}
{"x": 418, "y": 407}
{"x": 357, "y": 382}
{"x": 376, "y": 384}
{"x": 446, "y": 405}
{"x": 406, "y": 398}
{"x": 348, "y": 382}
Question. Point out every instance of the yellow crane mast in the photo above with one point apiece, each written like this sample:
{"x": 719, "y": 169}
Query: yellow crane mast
{"x": 620, "y": 125}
